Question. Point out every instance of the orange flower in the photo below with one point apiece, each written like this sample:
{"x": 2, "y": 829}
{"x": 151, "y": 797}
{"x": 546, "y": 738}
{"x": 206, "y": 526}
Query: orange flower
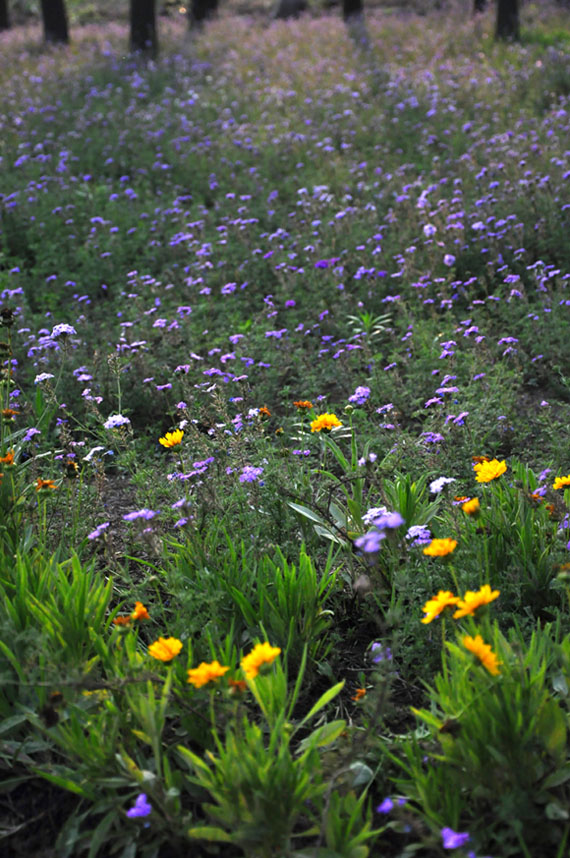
{"x": 44, "y": 484}
{"x": 559, "y": 482}
{"x": 8, "y": 459}
{"x": 164, "y": 649}
{"x": 237, "y": 684}
{"x": 140, "y": 612}
{"x": 461, "y": 498}
{"x": 471, "y": 507}
{"x": 9, "y": 412}
{"x": 262, "y": 653}
{"x": 479, "y": 459}
{"x": 122, "y": 621}
{"x": 472, "y": 601}
{"x": 483, "y": 652}
{"x": 303, "y": 403}
{"x": 265, "y": 411}
{"x": 325, "y": 421}
{"x": 358, "y": 694}
{"x": 204, "y": 673}
{"x": 434, "y": 607}
{"x": 440, "y": 547}
{"x": 490, "y": 470}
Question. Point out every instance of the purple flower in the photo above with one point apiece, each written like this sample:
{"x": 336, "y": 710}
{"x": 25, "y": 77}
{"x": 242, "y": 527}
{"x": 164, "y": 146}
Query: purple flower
{"x": 388, "y": 521}
{"x": 62, "y": 330}
{"x": 369, "y": 542}
{"x": 449, "y": 260}
{"x": 386, "y": 806}
{"x": 95, "y": 534}
{"x": 360, "y": 395}
{"x": 380, "y": 652}
{"x": 420, "y": 534}
{"x": 250, "y": 474}
{"x": 116, "y": 420}
{"x": 30, "y": 434}
{"x": 140, "y": 808}
{"x": 43, "y": 376}
{"x": 453, "y": 839}
{"x": 145, "y": 514}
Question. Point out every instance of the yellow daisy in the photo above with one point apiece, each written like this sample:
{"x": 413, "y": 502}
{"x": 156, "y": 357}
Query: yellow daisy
{"x": 325, "y": 421}
{"x": 172, "y": 439}
{"x": 487, "y": 471}
{"x": 471, "y": 601}
{"x": 559, "y": 482}
{"x": 204, "y": 673}
{"x": 262, "y": 653}
{"x": 440, "y": 547}
{"x": 164, "y": 649}
{"x": 434, "y": 607}
{"x": 483, "y": 652}
{"x": 471, "y": 507}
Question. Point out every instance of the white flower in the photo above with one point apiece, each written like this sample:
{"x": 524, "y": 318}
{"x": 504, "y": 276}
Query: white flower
{"x": 437, "y": 486}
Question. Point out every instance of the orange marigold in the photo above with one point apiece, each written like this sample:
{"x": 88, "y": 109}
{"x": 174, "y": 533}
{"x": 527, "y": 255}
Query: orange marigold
{"x": 559, "y": 482}
{"x": 140, "y": 612}
{"x": 264, "y": 410}
{"x": 471, "y": 507}
{"x": 483, "y": 652}
{"x": 204, "y": 673}
{"x": 44, "y": 484}
{"x": 8, "y": 459}
{"x": 325, "y": 421}
{"x": 434, "y": 607}
{"x": 303, "y": 403}
{"x": 262, "y": 653}
{"x": 440, "y": 547}
{"x": 164, "y": 649}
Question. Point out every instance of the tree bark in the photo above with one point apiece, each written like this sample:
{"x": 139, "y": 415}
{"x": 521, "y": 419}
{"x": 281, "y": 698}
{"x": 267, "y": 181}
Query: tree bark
{"x": 351, "y": 7}
{"x": 54, "y": 19}
{"x": 479, "y": 6}
{"x": 4, "y": 15}
{"x": 290, "y": 9}
{"x": 143, "y": 37}
{"x": 201, "y": 10}
{"x": 508, "y": 26}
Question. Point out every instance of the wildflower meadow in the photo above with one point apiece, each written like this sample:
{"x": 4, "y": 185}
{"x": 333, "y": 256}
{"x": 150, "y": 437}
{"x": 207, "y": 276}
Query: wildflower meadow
{"x": 284, "y": 445}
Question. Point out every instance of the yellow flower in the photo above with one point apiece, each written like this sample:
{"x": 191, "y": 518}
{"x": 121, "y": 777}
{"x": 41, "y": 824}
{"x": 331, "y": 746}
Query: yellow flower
{"x": 559, "y": 482}
{"x": 164, "y": 649}
{"x": 140, "y": 612}
{"x": 172, "y": 439}
{"x": 440, "y": 547}
{"x": 325, "y": 421}
{"x": 204, "y": 673}
{"x": 471, "y": 507}
{"x": 471, "y": 601}
{"x": 483, "y": 652}
{"x": 434, "y": 607}
{"x": 262, "y": 653}
{"x": 487, "y": 471}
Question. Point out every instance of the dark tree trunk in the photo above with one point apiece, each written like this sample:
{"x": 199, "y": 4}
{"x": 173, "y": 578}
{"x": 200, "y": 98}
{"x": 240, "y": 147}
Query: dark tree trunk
{"x": 201, "y": 10}
{"x": 508, "y": 20}
{"x": 290, "y": 8}
{"x": 144, "y": 38}
{"x": 4, "y": 15}
{"x": 479, "y": 6}
{"x": 55, "y": 21}
{"x": 350, "y": 8}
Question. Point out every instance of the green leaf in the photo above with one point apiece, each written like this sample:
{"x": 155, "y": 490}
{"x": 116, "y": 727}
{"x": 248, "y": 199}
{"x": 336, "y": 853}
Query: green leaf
{"x": 322, "y": 701}
{"x": 324, "y": 735}
{"x": 560, "y": 776}
{"x": 64, "y": 783}
{"x": 306, "y": 512}
{"x": 209, "y": 832}
{"x": 552, "y": 728}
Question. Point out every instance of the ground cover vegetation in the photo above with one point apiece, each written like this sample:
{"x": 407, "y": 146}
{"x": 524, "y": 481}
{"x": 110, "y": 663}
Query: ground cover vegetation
{"x": 285, "y": 465}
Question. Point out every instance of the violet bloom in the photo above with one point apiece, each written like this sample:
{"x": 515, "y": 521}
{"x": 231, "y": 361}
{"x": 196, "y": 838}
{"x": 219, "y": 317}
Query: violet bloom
{"x": 116, "y": 420}
{"x": 250, "y": 474}
{"x": 449, "y": 260}
{"x": 380, "y": 652}
{"x": 140, "y": 808}
{"x": 454, "y": 839}
{"x": 360, "y": 395}
{"x": 386, "y": 806}
{"x": 419, "y": 534}
{"x": 43, "y": 376}
{"x": 62, "y": 330}
{"x": 388, "y": 521}
{"x": 95, "y": 534}
{"x": 369, "y": 543}
{"x": 146, "y": 514}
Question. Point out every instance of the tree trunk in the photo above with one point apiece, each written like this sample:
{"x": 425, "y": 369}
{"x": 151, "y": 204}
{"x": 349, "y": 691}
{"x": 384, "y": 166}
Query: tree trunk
{"x": 508, "y": 20}
{"x": 144, "y": 38}
{"x": 55, "y": 22}
{"x": 350, "y": 8}
{"x": 290, "y": 9}
{"x": 4, "y": 15}
{"x": 479, "y": 6}
{"x": 201, "y": 10}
